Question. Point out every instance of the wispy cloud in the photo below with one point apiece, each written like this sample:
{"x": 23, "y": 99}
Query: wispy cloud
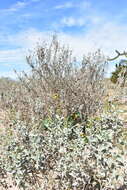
{"x": 11, "y": 56}
{"x": 15, "y": 7}
{"x": 64, "y": 6}
{"x": 71, "y": 21}
{"x": 15, "y": 58}
{"x": 28, "y": 39}
{"x": 18, "y": 5}
{"x": 72, "y": 4}
{"x": 82, "y": 13}
{"x": 107, "y": 37}
{"x": 10, "y": 60}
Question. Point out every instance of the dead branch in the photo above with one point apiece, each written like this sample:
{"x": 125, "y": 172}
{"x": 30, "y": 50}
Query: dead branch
{"x": 118, "y": 55}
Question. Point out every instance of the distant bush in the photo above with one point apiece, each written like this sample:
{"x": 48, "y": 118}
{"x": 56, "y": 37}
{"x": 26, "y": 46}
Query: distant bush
{"x": 58, "y": 155}
{"x": 6, "y": 86}
{"x": 115, "y": 75}
{"x": 120, "y": 73}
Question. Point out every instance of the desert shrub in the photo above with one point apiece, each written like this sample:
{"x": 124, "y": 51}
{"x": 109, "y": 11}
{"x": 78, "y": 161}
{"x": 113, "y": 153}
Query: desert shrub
{"x": 120, "y": 73}
{"x": 15, "y": 98}
{"x": 6, "y": 87}
{"x": 59, "y": 84}
{"x": 115, "y": 75}
{"x": 55, "y": 154}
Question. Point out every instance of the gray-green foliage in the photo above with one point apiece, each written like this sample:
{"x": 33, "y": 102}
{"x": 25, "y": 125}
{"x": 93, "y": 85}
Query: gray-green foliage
{"x": 57, "y": 155}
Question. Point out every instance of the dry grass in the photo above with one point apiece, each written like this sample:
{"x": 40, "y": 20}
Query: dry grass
{"x": 115, "y": 94}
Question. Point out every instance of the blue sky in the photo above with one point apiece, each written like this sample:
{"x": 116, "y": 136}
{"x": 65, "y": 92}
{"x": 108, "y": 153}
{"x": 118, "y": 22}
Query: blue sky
{"x": 85, "y": 25}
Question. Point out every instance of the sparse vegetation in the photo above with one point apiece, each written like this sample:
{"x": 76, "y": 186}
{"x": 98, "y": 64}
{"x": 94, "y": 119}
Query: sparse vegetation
{"x": 61, "y": 134}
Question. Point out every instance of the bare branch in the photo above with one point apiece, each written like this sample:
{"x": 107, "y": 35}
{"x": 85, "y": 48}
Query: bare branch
{"x": 118, "y": 55}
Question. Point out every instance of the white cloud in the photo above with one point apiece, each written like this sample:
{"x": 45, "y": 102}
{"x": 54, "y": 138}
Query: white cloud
{"x": 72, "y": 4}
{"x": 12, "y": 59}
{"x": 71, "y": 21}
{"x": 107, "y": 37}
{"x": 28, "y": 39}
{"x": 15, "y": 58}
{"x": 17, "y": 6}
{"x": 64, "y": 6}
{"x": 12, "y": 56}
{"x": 89, "y": 19}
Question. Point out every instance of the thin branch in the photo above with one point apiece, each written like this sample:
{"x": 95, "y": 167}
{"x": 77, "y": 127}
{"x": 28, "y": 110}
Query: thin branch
{"x": 118, "y": 55}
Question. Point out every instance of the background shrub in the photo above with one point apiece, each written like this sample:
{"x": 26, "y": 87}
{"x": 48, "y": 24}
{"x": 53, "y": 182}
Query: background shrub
{"x": 120, "y": 74}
